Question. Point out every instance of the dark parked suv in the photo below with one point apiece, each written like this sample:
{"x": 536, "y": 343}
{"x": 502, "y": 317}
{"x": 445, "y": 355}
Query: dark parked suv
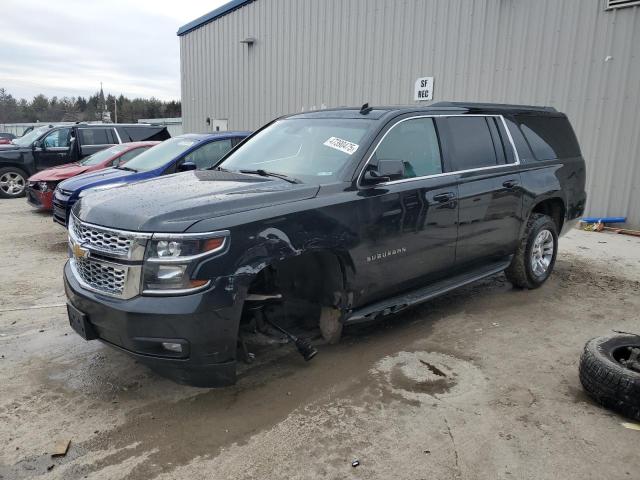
{"x": 317, "y": 221}
{"x": 48, "y": 146}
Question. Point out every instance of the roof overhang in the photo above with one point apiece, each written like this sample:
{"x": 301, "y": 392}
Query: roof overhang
{"x": 212, "y": 16}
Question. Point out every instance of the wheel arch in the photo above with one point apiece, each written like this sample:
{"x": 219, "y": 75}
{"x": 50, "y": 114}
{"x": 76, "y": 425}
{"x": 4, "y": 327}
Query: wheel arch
{"x": 552, "y": 206}
{"x": 19, "y": 166}
{"x": 317, "y": 275}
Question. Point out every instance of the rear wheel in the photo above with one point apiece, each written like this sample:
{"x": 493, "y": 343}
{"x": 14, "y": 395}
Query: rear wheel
{"x": 13, "y": 182}
{"x": 536, "y": 255}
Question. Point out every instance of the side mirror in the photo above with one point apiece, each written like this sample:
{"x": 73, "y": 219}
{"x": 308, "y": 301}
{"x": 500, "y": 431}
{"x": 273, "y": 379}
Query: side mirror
{"x": 38, "y": 144}
{"x": 384, "y": 171}
{"x": 187, "y": 166}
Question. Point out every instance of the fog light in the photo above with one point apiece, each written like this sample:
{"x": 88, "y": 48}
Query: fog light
{"x": 172, "y": 347}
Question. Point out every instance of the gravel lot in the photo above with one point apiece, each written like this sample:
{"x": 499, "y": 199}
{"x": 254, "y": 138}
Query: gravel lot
{"x": 479, "y": 384}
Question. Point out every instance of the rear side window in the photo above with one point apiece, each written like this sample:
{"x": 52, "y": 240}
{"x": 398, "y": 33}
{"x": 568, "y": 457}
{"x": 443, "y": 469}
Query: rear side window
{"x": 97, "y": 136}
{"x": 470, "y": 142}
{"x": 143, "y": 133}
{"x": 549, "y": 137}
{"x": 415, "y": 142}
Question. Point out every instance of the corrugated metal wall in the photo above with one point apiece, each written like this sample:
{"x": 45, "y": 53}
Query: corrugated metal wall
{"x": 571, "y": 54}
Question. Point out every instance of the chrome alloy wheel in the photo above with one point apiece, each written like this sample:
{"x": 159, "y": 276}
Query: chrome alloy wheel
{"x": 542, "y": 252}
{"x": 12, "y": 183}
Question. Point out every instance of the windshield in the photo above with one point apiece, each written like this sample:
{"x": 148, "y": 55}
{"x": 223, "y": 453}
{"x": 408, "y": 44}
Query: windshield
{"x": 29, "y": 138}
{"x": 102, "y": 155}
{"x": 311, "y": 150}
{"x": 159, "y": 155}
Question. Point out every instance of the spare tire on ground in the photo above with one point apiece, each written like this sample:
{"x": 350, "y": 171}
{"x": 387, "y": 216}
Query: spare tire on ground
{"x": 610, "y": 373}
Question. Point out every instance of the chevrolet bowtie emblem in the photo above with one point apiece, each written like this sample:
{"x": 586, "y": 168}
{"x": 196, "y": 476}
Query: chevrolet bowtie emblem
{"x": 79, "y": 252}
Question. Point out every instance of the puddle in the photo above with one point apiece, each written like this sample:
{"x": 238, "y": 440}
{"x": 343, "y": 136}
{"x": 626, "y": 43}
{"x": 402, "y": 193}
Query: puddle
{"x": 423, "y": 376}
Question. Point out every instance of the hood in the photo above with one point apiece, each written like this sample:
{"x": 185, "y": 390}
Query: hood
{"x": 61, "y": 172}
{"x": 12, "y": 152}
{"x": 175, "y": 202}
{"x": 101, "y": 177}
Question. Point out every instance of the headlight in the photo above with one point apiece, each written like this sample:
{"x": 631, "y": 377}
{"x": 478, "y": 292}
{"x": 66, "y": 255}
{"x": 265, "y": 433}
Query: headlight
{"x": 171, "y": 260}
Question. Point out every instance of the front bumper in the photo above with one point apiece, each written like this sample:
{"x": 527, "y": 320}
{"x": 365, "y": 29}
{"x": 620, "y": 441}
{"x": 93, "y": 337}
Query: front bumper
{"x": 39, "y": 199}
{"x": 201, "y": 322}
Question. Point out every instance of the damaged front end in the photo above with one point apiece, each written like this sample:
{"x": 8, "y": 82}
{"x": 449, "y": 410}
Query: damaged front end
{"x": 182, "y": 304}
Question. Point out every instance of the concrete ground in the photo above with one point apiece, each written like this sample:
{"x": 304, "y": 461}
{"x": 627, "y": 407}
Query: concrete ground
{"x": 479, "y": 384}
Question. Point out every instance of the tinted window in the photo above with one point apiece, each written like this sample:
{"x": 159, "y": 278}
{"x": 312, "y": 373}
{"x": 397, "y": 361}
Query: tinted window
{"x": 415, "y": 143}
{"x": 57, "y": 138}
{"x": 208, "y": 155}
{"x": 96, "y": 136}
{"x": 471, "y": 145}
{"x": 524, "y": 152}
{"x": 549, "y": 137}
{"x": 141, "y": 134}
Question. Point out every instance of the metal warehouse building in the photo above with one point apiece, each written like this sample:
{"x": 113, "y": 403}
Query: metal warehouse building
{"x": 250, "y": 61}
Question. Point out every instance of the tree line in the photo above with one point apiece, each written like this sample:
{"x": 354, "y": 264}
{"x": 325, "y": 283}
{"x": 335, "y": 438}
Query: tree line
{"x": 81, "y": 109}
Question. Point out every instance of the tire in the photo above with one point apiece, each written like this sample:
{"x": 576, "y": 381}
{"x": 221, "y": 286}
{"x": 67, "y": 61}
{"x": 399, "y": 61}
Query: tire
{"x": 606, "y": 379}
{"x": 13, "y": 182}
{"x": 521, "y": 271}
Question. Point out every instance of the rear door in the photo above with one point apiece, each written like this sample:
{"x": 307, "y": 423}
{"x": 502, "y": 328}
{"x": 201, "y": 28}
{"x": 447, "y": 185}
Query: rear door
{"x": 490, "y": 196}
{"x": 408, "y": 226}
{"x": 92, "y": 140}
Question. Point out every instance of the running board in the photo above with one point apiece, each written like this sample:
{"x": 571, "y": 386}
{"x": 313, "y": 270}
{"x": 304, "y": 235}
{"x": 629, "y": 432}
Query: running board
{"x": 400, "y": 302}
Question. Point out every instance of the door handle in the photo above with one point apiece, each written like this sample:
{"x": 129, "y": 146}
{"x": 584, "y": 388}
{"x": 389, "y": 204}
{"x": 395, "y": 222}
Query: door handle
{"x": 444, "y": 197}
{"x": 510, "y": 183}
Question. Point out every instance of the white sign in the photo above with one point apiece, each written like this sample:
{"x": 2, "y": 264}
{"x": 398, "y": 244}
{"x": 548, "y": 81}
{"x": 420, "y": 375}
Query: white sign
{"x": 342, "y": 145}
{"x": 423, "y": 89}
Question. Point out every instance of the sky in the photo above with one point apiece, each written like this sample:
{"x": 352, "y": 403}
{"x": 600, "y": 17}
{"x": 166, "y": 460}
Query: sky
{"x": 67, "y": 47}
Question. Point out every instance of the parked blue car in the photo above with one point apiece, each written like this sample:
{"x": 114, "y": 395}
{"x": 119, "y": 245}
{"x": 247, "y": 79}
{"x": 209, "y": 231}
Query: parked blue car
{"x": 182, "y": 153}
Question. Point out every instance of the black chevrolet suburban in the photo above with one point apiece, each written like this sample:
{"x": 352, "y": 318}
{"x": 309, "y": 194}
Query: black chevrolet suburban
{"x": 317, "y": 221}
{"x": 48, "y": 146}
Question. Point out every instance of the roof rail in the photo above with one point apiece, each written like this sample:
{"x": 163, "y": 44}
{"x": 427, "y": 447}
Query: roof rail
{"x": 488, "y": 106}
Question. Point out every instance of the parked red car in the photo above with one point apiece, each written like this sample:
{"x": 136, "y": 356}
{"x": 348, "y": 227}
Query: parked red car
{"x": 5, "y": 138}
{"x": 40, "y": 186}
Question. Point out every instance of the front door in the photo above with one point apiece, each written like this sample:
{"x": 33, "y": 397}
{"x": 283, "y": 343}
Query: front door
{"x": 54, "y": 149}
{"x": 490, "y": 197}
{"x": 408, "y": 226}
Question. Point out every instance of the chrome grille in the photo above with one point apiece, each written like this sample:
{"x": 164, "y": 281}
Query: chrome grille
{"x": 100, "y": 276}
{"x": 101, "y": 240}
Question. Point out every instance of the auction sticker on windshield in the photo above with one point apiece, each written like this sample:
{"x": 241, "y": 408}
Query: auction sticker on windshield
{"x": 342, "y": 145}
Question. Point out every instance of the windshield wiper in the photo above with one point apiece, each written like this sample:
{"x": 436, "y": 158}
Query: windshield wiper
{"x": 264, "y": 173}
{"x": 128, "y": 169}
